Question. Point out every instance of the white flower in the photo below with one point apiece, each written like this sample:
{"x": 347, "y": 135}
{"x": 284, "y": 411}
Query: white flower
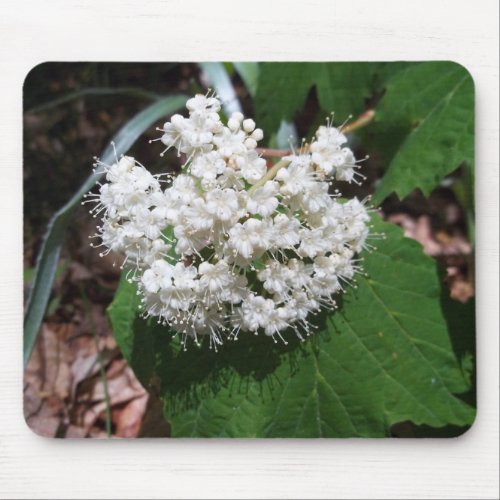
{"x": 183, "y": 189}
{"x": 204, "y": 105}
{"x": 277, "y": 321}
{"x": 196, "y": 216}
{"x": 236, "y": 291}
{"x": 184, "y": 275}
{"x": 274, "y": 276}
{"x": 189, "y": 242}
{"x": 209, "y": 165}
{"x": 324, "y": 266}
{"x": 173, "y": 132}
{"x": 302, "y": 304}
{"x": 157, "y": 250}
{"x": 143, "y": 180}
{"x": 299, "y": 273}
{"x": 159, "y": 275}
{"x": 151, "y": 225}
{"x": 325, "y": 286}
{"x": 332, "y": 135}
{"x": 222, "y": 203}
{"x": 260, "y": 233}
{"x": 230, "y": 145}
{"x": 312, "y": 243}
{"x": 256, "y": 311}
{"x": 215, "y": 277}
{"x": 231, "y": 179}
{"x": 120, "y": 168}
{"x": 252, "y": 167}
{"x": 239, "y": 240}
{"x": 316, "y": 198}
{"x": 286, "y": 231}
{"x": 213, "y": 257}
{"x": 263, "y": 200}
{"x": 298, "y": 177}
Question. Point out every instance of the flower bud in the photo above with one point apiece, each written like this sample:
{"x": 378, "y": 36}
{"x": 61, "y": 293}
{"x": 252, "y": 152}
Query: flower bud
{"x": 233, "y": 125}
{"x": 257, "y": 134}
{"x": 248, "y": 125}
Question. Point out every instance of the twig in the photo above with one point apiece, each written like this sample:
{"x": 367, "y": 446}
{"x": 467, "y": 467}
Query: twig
{"x": 360, "y": 122}
{"x": 272, "y": 153}
{"x": 271, "y": 173}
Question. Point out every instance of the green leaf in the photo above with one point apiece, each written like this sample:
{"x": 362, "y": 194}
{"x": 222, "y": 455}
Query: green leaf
{"x": 249, "y": 73}
{"x": 384, "y": 71}
{"x": 283, "y": 89}
{"x": 138, "y": 348}
{"x": 432, "y": 104}
{"x": 49, "y": 254}
{"x": 385, "y": 357}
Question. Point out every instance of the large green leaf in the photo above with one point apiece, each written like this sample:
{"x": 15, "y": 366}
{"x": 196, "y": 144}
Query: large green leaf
{"x": 132, "y": 334}
{"x": 385, "y": 357}
{"x": 432, "y": 104}
{"x": 283, "y": 88}
{"x": 249, "y": 73}
{"x": 49, "y": 254}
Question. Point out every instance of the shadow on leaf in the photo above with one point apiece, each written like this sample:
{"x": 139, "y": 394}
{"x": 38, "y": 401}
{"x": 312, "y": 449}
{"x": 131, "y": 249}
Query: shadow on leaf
{"x": 187, "y": 376}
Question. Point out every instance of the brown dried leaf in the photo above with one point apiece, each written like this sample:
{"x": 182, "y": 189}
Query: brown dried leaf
{"x": 48, "y": 370}
{"x": 78, "y": 272}
{"x": 44, "y": 425}
{"x": 128, "y": 419}
{"x": 83, "y": 367}
{"x": 75, "y": 432}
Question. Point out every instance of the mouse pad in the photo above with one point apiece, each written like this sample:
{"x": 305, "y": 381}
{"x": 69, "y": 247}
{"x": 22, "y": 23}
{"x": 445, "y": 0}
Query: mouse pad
{"x": 242, "y": 249}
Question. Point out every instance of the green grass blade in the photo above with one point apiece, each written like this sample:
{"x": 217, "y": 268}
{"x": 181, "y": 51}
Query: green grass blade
{"x": 94, "y": 91}
{"x": 49, "y": 254}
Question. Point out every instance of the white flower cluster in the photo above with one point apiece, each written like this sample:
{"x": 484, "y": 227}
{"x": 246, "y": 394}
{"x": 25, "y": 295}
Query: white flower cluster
{"x": 229, "y": 245}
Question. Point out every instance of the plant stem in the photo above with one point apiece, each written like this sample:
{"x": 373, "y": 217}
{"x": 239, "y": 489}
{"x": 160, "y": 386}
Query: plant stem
{"x": 273, "y": 153}
{"x": 271, "y": 173}
{"x": 100, "y": 360}
{"x": 360, "y": 122}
